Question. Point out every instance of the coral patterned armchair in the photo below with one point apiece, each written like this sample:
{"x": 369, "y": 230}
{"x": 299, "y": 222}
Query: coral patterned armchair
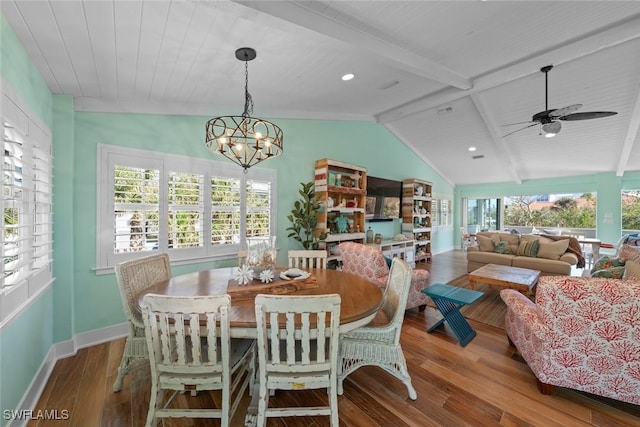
{"x": 582, "y": 333}
{"x": 368, "y": 261}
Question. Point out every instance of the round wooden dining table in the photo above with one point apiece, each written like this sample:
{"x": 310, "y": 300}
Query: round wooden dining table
{"x": 360, "y": 298}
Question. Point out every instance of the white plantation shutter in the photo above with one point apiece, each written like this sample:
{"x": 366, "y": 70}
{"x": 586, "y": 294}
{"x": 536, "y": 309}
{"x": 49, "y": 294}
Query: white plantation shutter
{"x": 191, "y": 208}
{"x": 225, "y": 210}
{"x": 136, "y": 209}
{"x": 26, "y": 200}
{"x": 258, "y": 208}
{"x": 186, "y": 210}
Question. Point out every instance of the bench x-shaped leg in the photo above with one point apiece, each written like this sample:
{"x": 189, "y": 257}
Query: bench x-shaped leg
{"x": 451, "y": 314}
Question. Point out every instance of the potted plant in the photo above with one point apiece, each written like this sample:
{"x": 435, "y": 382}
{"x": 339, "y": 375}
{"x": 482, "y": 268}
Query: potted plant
{"x": 304, "y": 218}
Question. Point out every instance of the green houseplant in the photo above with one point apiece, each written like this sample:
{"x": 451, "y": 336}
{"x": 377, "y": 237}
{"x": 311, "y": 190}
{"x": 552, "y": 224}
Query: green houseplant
{"x": 304, "y": 218}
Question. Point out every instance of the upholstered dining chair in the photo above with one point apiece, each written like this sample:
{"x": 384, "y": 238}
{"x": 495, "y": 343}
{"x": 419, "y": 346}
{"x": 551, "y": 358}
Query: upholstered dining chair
{"x": 380, "y": 345}
{"x": 299, "y": 355}
{"x": 307, "y": 258}
{"x": 133, "y": 278}
{"x": 368, "y": 261}
{"x": 190, "y": 349}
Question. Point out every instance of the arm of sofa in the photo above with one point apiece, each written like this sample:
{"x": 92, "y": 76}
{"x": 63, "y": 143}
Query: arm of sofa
{"x": 525, "y": 330}
{"x": 569, "y": 258}
{"x": 523, "y": 310}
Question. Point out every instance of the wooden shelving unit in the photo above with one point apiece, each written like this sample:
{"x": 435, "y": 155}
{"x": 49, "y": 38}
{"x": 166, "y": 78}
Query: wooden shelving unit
{"x": 341, "y": 188}
{"x": 416, "y": 215}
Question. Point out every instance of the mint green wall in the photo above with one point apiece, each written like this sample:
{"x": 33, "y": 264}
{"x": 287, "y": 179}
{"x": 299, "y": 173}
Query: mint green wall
{"x": 25, "y": 341}
{"x": 97, "y": 302}
{"x": 17, "y": 70}
{"x": 63, "y": 130}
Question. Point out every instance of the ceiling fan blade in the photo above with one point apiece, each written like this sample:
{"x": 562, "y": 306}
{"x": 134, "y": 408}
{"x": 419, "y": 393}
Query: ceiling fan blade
{"x": 520, "y": 123}
{"x": 518, "y": 130}
{"x": 560, "y": 112}
{"x": 587, "y": 115}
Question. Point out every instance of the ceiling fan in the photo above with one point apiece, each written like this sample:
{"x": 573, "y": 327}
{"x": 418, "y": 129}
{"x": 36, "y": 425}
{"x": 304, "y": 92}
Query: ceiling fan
{"x": 550, "y": 119}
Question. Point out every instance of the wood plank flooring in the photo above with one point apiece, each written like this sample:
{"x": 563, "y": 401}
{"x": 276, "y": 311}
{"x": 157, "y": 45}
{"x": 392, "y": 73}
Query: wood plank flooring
{"x": 482, "y": 384}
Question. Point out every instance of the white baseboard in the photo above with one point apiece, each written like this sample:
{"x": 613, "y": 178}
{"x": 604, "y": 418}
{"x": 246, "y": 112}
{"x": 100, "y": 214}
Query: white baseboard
{"x": 59, "y": 351}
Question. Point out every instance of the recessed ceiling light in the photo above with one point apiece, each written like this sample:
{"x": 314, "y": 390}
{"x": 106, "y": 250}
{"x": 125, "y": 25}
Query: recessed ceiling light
{"x": 348, "y": 76}
{"x": 472, "y": 148}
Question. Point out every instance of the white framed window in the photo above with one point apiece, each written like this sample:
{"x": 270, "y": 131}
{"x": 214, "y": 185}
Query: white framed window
{"x": 442, "y": 215}
{"x": 188, "y": 207}
{"x": 27, "y": 236}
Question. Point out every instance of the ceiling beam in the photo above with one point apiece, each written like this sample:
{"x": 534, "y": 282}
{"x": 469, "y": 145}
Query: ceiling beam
{"x": 494, "y": 130}
{"x": 631, "y": 135}
{"x": 302, "y": 14}
{"x": 620, "y": 33}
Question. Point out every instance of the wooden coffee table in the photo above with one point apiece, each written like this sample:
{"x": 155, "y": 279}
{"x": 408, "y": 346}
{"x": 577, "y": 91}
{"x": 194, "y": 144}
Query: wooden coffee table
{"x": 520, "y": 279}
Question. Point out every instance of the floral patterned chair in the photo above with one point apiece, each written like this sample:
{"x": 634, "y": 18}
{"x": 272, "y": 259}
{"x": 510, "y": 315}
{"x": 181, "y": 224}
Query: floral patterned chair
{"x": 368, "y": 261}
{"x": 582, "y": 333}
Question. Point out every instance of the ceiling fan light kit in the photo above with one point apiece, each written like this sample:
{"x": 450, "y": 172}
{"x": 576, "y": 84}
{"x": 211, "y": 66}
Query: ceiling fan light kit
{"x": 551, "y": 129}
{"x": 549, "y": 118}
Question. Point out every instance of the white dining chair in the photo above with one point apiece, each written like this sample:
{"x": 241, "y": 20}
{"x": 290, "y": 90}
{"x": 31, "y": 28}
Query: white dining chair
{"x": 467, "y": 239}
{"x": 305, "y": 259}
{"x": 300, "y": 355}
{"x": 380, "y": 345}
{"x": 134, "y": 277}
{"x": 190, "y": 349}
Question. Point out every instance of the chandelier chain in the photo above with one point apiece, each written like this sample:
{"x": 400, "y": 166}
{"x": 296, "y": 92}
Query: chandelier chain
{"x": 248, "y": 100}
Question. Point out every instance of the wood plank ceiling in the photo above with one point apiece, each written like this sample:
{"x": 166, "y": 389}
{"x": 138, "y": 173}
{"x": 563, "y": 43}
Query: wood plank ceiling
{"x": 441, "y": 75}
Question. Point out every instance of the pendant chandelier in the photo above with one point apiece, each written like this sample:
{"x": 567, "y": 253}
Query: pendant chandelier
{"x": 244, "y": 139}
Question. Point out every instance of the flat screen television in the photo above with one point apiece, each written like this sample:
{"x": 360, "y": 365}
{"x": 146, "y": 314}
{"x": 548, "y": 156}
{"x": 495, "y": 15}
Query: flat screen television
{"x": 384, "y": 198}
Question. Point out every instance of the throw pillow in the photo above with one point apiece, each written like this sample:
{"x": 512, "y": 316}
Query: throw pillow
{"x": 529, "y": 249}
{"x": 610, "y": 273}
{"x": 553, "y": 250}
{"x": 485, "y": 243}
{"x": 503, "y": 248}
{"x": 512, "y": 241}
{"x": 529, "y": 238}
{"x": 606, "y": 262}
{"x": 543, "y": 239}
{"x": 388, "y": 260}
{"x": 631, "y": 270}
{"x": 629, "y": 253}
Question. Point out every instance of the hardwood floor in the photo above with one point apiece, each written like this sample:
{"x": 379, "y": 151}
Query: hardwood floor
{"x": 482, "y": 384}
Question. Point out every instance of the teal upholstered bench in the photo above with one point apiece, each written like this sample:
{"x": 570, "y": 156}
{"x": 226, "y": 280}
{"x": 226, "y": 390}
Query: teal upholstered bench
{"x": 449, "y": 300}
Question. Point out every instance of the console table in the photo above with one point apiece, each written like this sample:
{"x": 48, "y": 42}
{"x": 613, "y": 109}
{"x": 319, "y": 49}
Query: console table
{"x": 449, "y": 300}
{"x": 402, "y": 248}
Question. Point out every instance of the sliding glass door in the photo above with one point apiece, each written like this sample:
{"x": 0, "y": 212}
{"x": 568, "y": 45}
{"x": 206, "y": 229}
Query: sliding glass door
{"x": 482, "y": 214}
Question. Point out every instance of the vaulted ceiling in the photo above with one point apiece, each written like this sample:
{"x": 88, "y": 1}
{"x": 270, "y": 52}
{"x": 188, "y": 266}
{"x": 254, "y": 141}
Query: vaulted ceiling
{"x": 441, "y": 75}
